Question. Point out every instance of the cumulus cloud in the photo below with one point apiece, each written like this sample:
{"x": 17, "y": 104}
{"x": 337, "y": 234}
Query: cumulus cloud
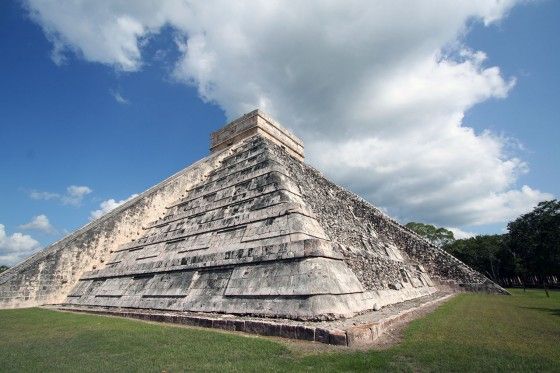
{"x": 73, "y": 196}
{"x": 39, "y": 223}
{"x": 377, "y": 89}
{"x": 107, "y": 206}
{"x": 16, "y": 247}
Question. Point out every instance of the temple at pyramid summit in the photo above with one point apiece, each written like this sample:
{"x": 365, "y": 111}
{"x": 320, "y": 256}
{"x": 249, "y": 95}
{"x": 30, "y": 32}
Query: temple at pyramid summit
{"x": 250, "y": 230}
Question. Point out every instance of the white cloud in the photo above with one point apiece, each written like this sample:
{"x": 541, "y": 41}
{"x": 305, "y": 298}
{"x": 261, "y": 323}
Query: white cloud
{"x": 460, "y": 234}
{"x": 16, "y": 247}
{"x": 34, "y": 194}
{"x": 107, "y": 206}
{"x": 378, "y": 90}
{"x": 39, "y": 223}
{"x": 119, "y": 98}
{"x": 73, "y": 196}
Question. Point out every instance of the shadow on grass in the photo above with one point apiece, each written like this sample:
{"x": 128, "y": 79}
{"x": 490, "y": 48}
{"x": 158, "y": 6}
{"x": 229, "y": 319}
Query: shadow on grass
{"x": 552, "y": 311}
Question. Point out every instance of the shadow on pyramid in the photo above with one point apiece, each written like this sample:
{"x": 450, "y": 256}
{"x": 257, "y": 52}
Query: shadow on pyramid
{"x": 249, "y": 230}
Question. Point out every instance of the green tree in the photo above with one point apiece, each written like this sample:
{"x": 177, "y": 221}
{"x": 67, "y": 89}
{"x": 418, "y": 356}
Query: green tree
{"x": 3, "y": 268}
{"x": 534, "y": 240}
{"x": 437, "y": 236}
{"x": 486, "y": 254}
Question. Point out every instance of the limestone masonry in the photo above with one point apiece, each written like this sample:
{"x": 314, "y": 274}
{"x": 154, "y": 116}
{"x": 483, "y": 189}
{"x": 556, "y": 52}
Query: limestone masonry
{"x": 248, "y": 230}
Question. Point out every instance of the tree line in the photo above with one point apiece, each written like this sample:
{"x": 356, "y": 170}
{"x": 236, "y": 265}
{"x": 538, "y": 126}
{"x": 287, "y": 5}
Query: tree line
{"x": 527, "y": 255}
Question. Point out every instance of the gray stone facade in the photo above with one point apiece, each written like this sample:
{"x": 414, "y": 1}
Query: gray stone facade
{"x": 49, "y": 275}
{"x": 250, "y": 230}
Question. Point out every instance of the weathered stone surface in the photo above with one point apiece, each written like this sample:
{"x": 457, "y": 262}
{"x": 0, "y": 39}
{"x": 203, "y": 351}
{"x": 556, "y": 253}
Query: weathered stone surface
{"x": 359, "y": 336}
{"x": 322, "y": 335}
{"x": 262, "y": 328}
{"x": 49, "y": 275}
{"x": 288, "y": 331}
{"x": 250, "y": 230}
{"x": 236, "y": 325}
{"x": 338, "y": 337}
{"x": 222, "y": 324}
{"x": 380, "y": 251}
{"x": 351, "y": 332}
{"x": 305, "y": 333}
{"x": 257, "y": 123}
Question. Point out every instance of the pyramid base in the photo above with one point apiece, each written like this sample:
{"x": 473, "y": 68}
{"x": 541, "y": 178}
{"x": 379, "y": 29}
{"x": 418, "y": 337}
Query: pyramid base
{"x": 362, "y": 330}
{"x": 305, "y": 308}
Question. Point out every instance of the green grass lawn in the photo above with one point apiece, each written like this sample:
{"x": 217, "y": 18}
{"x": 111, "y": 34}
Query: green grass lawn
{"x": 470, "y": 332}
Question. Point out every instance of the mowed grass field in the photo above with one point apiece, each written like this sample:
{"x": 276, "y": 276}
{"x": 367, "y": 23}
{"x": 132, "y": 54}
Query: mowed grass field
{"x": 472, "y": 332}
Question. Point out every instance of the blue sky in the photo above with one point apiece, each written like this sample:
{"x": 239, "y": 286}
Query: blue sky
{"x": 116, "y": 115}
{"x": 525, "y": 45}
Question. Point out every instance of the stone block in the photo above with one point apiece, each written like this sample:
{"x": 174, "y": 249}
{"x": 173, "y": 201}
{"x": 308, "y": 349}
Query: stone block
{"x": 262, "y": 328}
{"x": 322, "y": 335}
{"x": 190, "y": 320}
{"x": 359, "y": 335}
{"x": 221, "y": 324}
{"x": 305, "y": 333}
{"x": 204, "y": 322}
{"x": 237, "y": 325}
{"x": 338, "y": 337}
{"x": 158, "y": 317}
{"x": 288, "y": 331}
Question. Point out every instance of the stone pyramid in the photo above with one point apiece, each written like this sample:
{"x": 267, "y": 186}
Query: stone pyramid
{"x": 249, "y": 230}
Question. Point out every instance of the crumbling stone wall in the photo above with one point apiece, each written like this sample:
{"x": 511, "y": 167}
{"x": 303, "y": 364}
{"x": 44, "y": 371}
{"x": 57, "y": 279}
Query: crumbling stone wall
{"x": 372, "y": 237}
{"x": 49, "y": 275}
{"x": 376, "y": 272}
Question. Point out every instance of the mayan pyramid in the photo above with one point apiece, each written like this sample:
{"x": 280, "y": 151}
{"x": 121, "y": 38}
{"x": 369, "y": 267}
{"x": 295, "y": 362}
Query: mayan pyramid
{"x": 251, "y": 229}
